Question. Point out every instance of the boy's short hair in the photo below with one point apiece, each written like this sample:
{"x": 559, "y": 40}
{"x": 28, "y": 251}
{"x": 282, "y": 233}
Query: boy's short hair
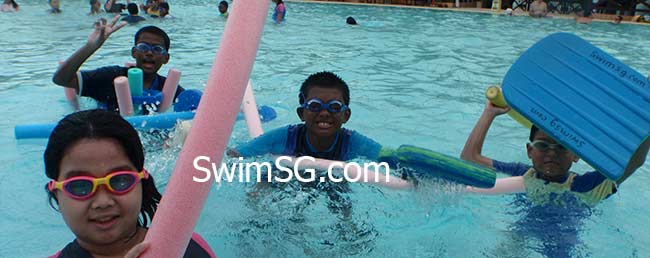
{"x": 324, "y": 79}
{"x": 153, "y": 30}
{"x": 224, "y": 3}
{"x": 93, "y": 1}
{"x": 164, "y": 5}
{"x": 533, "y": 131}
{"x": 133, "y": 8}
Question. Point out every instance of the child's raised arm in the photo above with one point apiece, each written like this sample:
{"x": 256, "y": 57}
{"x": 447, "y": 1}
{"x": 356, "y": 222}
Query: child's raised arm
{"x": 65, "y": 75}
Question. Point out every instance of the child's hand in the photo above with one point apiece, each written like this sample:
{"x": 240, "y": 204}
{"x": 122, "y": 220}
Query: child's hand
{"x": 137, "y": 250}
{"x": 103, "y": 29}
{"x": 494, "y": 110}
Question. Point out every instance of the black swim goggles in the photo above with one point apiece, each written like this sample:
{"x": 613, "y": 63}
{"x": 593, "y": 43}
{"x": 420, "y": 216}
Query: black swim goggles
{"x": 316, "y": 105}
{"x": 544, "y": 146}
{"x": 155, "y": 49}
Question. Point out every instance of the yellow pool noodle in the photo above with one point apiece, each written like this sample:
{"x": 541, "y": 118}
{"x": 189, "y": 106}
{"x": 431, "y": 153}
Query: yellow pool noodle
{"x": 493, "y": 93}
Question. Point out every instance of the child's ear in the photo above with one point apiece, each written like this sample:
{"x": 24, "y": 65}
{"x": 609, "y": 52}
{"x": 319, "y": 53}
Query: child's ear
{"x": 529, "y": 149}
{"x": 346, "y": 115}
{"x": 166, "y": 59}
{"x": 133, "y": 52}
{"x": 299, "y": 112}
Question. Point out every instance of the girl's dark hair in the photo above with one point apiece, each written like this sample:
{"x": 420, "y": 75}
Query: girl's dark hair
{"x": 14, "y": 4}
{"x": 100, "y": 124}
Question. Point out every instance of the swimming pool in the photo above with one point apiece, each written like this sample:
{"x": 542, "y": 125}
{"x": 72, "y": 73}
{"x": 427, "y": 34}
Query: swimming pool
{"x": 417, "y": 77}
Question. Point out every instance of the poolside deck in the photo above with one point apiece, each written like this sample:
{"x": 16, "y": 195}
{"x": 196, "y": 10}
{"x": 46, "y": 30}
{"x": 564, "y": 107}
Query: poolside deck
{"x": 465, "y": 6}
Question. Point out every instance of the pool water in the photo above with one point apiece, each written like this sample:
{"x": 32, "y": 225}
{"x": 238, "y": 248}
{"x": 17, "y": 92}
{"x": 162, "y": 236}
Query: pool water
{"x": 417, "y": 76}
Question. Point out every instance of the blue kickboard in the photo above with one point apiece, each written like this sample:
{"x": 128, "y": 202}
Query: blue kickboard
{"x": 586, "y": 99}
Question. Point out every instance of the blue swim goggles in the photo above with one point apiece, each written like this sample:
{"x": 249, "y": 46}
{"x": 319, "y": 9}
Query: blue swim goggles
{"x": 316, "y": 105}
{"x": 155, "y": 49}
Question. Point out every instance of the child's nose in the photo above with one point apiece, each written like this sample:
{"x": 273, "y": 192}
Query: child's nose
{"x": 103, "y": 198}
{"x": 324, "y": 112}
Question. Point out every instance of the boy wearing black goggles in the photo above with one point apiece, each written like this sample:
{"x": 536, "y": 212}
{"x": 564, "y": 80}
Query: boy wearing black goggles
{"x": 555, "y": 196}
{"x": 150, "y": 50}
{"x": 551, "y": 161}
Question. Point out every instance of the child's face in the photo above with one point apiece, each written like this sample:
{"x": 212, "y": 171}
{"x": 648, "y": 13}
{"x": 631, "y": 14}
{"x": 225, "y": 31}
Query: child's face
{"x": 324, "y": 123}
{"x": 148, "y": 61}
{"x": 96, "y": 6}
{"x": 223, "y": 8}
{"x": 54, "y": 3}
{"x": 105, "y": 217}
{"x": 552, "y": 163}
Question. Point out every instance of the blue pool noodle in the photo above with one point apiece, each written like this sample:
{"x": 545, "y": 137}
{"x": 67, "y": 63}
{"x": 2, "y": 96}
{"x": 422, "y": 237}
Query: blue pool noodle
{"x": 161, "y": 121}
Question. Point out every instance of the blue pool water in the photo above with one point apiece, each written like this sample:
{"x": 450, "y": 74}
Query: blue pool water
{"x": 417, "y": 77}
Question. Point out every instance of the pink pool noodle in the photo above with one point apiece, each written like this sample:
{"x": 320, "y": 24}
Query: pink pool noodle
{"x": 250, "y": 113}
{"x": 71, "y": 95}
{"x": 123, "y": 93}
{"x": 169, "y": 89}
{"x": 508, "y": 185}
{"x": 183, "y": 198}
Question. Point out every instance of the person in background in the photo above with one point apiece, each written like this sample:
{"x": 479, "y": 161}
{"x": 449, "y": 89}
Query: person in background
{"x": 223, "y": 9}
{"x": 351, "y": 21}
{"x": 151, "y": 7}
{"x": 280, "y": 11}
{"x": 133, "y": 16}
{"x": 54, "y": 7}
{"x": 164, "y": 11}
{"x": 9, "y": 6}
{"x": 112, "y": 7}
{"x": 538, "y": 9}
{"x": 95, "y": 7}
{"x": 617, "y": 19}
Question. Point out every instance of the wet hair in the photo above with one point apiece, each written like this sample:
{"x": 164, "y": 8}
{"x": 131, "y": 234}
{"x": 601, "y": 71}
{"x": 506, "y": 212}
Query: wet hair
{"x": 133, "y": 8}
{"x": 14, "y": 4}
{"x": 533, "y": 131}
{"x": 350, "y": 20}
{"x": 100, "y": 124}
{"x": 324, "y": 79}
{"x": 164, "y": 5}
{"x": 224, "y": 3}
{"x": 153, "y": 30}
{"x": 91, "y": 1}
